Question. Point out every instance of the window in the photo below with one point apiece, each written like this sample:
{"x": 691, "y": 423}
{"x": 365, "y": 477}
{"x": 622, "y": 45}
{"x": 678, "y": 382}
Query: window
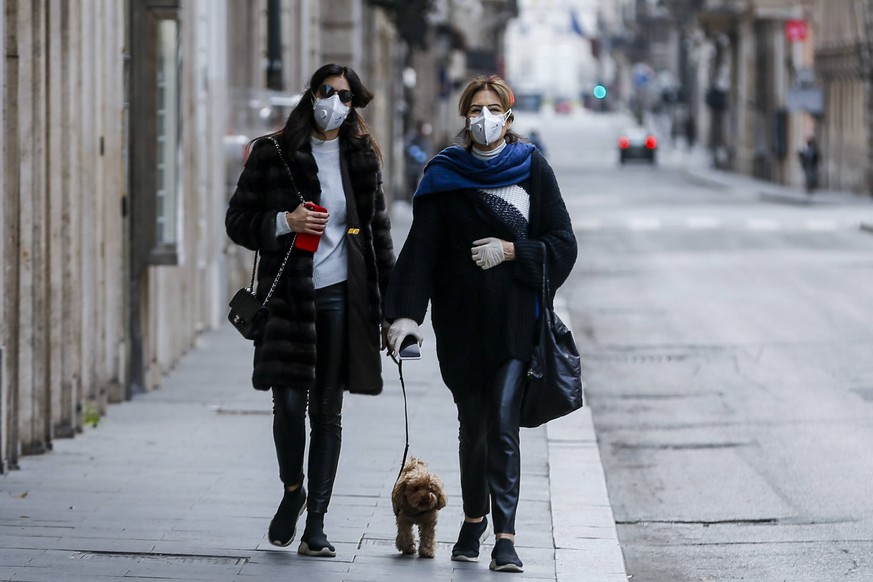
{"x": 168, "y": 125}
{"x": 156, "y": 170}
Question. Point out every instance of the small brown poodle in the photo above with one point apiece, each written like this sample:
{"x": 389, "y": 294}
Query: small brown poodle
{"x": 417, "y": 497}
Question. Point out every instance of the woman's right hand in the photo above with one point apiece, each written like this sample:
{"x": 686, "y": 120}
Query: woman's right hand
{"x": 306, "y": 221}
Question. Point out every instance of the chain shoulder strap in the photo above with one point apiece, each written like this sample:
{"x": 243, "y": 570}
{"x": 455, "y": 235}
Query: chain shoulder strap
{"x": 293, "y": 238}
{"x": 287, "y": 167}
{"x": 254, "y": 270}
{"x": 281, "y": 270}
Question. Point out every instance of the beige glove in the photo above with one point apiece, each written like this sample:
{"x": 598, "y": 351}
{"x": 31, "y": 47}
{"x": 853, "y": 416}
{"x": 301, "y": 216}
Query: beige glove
{"x": 401, "y": 328}
{"x": 488, "y": 252}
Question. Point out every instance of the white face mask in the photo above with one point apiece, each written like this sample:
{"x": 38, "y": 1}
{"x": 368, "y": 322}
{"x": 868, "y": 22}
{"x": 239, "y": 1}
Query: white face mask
{"x": 486, "y": 128}
{"x": 330, "y": 113}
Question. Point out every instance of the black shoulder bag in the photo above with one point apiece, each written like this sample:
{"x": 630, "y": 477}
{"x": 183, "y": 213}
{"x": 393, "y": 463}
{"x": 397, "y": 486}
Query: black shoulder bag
{"x": 554, "y": 378}
{"x": 248, "y": 314}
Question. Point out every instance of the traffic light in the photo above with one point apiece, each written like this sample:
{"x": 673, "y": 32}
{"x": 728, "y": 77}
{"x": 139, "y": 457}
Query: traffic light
{"x": 599, "y": 91}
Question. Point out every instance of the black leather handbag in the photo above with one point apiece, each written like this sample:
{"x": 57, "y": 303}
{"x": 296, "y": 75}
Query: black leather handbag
{"x": 248, "y": 314}
{"x": 554, "y": 379}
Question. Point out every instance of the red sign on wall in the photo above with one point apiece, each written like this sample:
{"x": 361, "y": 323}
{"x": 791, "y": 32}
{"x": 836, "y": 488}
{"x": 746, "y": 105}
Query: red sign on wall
{"x": 796, "y": 30}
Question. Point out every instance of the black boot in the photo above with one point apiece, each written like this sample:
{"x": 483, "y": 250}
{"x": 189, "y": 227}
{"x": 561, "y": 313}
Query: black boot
{"x": 313, "y": 542}
{"x": 283, "y": 527}
{"x": 466, "y": 549}
{"x": 504, "y": 558}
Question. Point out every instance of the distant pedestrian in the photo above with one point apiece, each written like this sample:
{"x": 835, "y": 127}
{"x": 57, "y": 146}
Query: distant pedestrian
{"x": 690, "y": 131}
{"x": 537, "y": 142}
{"x": 809, "y": 160}
{"x": 418, "y": 152}
{"x": 323, "y": 333}
{"x": 475, "y": 251}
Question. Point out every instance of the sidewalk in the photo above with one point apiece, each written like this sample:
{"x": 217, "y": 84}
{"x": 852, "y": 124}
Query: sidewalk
{"x": 180, "y": 484}
{"x": 698, "y": 166}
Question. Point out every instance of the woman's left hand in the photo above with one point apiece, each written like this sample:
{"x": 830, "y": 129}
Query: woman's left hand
{"x": 490, "y": 252}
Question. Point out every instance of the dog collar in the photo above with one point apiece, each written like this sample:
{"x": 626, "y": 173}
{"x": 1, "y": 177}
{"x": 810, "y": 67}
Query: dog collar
{"x": 408, "y": 513}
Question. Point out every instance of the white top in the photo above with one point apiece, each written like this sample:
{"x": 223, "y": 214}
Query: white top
{"x": 488, "y": 155}
{"x": 330, "y": 263}
{"x": 516, "y": 196}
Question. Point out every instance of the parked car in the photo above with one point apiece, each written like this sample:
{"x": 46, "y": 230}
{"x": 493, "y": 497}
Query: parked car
{"x": 637, "y": 144}
{"x": 252, "y": 113}
{"x": 563, "y": 106}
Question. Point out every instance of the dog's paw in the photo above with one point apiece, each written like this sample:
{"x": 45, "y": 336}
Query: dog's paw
{"x": 405, "y": 544}
{"x": 425, "y": 552}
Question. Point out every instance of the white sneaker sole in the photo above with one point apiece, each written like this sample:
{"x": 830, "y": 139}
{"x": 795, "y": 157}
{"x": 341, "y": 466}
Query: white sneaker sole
{"x": 322, "y": 553}
{"x": 505, "y": 567}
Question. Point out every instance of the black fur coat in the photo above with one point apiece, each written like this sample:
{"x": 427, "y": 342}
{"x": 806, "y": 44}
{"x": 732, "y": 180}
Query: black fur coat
{"x": 286, "y": 354}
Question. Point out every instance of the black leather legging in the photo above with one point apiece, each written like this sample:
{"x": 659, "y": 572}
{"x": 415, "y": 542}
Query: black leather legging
{"x": 488, "y": 438}
{"x": 325, "y": 406}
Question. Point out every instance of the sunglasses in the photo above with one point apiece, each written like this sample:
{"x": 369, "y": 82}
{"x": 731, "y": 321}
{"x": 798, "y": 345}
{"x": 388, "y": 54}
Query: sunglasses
{"x": 327, "y": 91}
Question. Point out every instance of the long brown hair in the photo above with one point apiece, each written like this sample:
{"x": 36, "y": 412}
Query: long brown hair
{"x": 499, "y": 87}
{"x": 301, "y": 122}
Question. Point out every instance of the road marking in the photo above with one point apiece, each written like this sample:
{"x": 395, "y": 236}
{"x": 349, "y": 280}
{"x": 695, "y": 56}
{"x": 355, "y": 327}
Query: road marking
{"x": 588, "y": 224}
{"x": 821, "y": 224}
{"x": 700, "y": 222}
{"x": 762, "y": 224}
{"x": 644, "y": 223}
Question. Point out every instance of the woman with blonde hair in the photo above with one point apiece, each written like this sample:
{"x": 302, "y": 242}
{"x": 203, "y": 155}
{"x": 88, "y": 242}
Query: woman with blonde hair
{"x": 487, "y": 217}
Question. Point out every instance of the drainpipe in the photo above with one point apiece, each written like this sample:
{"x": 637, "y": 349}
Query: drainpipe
{"x": 274, "y": 45}
{"x": 867, "y": 75}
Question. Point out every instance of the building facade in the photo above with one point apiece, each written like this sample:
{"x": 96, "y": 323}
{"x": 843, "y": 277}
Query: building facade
{"x": 760, "y": 77}
{"x": 753, "y": 67}
{"x": 115, "y": 179}
{"x": 64, "y": 196}
{"x": 842, "y": 66}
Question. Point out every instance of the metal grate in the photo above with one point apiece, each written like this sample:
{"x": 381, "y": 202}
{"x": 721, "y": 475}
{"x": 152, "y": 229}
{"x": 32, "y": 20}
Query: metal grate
{"x": 637, "y": 358}
{"x": 140, "y": 557}
{"x": 242, "y": 411}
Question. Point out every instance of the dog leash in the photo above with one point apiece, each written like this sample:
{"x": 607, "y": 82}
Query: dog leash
{"x": 405, "y": 414}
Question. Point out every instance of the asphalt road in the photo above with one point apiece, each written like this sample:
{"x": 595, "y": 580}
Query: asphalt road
{"x": 727, "y": 356}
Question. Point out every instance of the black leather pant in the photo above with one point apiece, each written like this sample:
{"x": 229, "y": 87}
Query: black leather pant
{"x": 488, "y": 438}
{"x": 325, "y": 406}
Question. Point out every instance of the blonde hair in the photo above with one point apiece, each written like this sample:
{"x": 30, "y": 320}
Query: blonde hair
{"x": 497, "y": 86}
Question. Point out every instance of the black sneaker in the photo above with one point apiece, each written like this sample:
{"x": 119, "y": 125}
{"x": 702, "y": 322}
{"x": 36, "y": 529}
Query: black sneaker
{"x": 504, "y": 558}
{"x": 283, "y": 527}
{"x": 313, "y": 542}
{"x": 470, "y": 537}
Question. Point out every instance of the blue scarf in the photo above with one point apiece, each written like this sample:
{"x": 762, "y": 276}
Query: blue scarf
{"x": 455, "y": 168}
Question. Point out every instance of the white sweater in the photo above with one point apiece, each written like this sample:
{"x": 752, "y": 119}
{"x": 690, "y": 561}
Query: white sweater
{"x": 330, "y": 263}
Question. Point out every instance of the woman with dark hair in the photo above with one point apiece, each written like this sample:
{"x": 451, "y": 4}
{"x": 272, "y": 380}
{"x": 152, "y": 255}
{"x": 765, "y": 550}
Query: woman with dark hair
{"x": 487, "y": 217}
{"x": 323, "y": 333}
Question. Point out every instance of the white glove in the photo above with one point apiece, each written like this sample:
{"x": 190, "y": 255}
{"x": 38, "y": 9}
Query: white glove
{"x": 401, "y": 328}
{"x": 488, "y": 252}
